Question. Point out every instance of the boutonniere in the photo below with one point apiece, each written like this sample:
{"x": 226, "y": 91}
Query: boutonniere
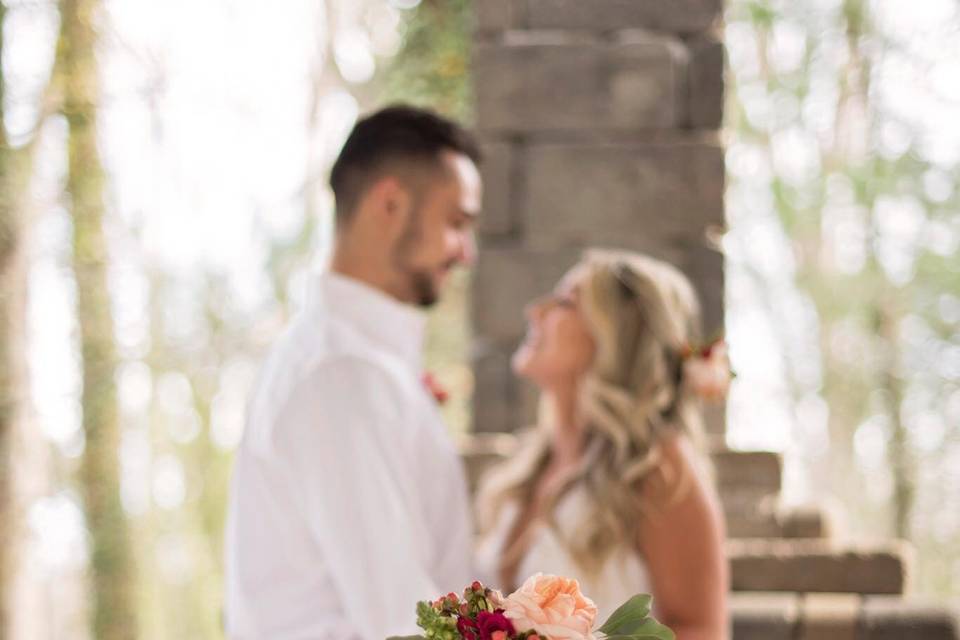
{"x": 433, "y": 386}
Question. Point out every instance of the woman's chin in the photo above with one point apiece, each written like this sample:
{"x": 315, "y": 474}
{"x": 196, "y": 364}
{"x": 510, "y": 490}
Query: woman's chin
{"x": 527, "y": 367}
{"x": 521, "y": 362}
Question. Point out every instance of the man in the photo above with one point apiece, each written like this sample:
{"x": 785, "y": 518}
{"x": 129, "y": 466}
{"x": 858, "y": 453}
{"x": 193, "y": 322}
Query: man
{"x": 348, "y": 502}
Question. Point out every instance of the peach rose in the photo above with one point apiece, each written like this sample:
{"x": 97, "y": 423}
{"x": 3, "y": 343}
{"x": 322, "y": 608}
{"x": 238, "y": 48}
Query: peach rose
{"x": 709, "y": 375}
{"x": 553, "y": 606}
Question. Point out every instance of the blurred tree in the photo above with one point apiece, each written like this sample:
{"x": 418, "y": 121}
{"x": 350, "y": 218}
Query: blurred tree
{"x": 16, "y": 166}
{"x": 198, "y": 338}
{"x": 871, "y": 217}
{"x": 431, "y": 68}
{"x": 211, "y": 347}
{"x": 112, "y": 568}
{"x": 179, "y": 541}
{"x": 12, "y": 292}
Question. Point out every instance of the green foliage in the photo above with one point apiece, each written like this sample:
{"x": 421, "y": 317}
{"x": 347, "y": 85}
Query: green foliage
{"x": 436, "y": 624}
{"x": 632, "y": 621}
{"x": 113, "y": 576}
{"x": 857, "y": 195}
{"x": 432, "y": 65}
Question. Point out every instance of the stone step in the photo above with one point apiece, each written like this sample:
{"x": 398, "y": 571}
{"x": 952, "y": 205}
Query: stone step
{"x": 837, "y": 616}
{"x": 818, "y": 566}
{"x": 480, "y": 451}
{"x": 891, "y": 618}
{"x": 769, "y": 520}
{"x": 744, "y": 476}
{"x": 748, "y": 473}
{"x": 748, "y": 481}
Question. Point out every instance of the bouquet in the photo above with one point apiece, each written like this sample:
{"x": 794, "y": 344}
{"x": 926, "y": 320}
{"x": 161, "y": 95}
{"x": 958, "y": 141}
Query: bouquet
{"x": 545, "y": 608}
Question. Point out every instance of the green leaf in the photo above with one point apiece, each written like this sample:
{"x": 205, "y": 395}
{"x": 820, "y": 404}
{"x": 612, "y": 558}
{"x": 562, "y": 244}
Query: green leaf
{"x": 649, "y": 629}
{"x": 632, "y": 621}
{"x": 407, "y": 638}
{"x": 633, "y": 611}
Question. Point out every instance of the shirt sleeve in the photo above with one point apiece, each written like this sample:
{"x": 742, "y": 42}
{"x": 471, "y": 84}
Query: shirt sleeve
{"x": 341, "y": 434}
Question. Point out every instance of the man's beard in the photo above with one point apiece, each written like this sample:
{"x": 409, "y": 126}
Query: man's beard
{"x": 424, "y": 291}
{"x": 421, "y": 285}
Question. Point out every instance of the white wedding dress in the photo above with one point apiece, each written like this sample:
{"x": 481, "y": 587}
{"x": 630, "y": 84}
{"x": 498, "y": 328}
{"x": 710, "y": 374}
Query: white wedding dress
{"x": 622, "y": 576}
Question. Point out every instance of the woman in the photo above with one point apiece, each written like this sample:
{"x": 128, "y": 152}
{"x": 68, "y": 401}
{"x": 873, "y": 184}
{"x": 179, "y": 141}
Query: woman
{"x": 610, "y": 488}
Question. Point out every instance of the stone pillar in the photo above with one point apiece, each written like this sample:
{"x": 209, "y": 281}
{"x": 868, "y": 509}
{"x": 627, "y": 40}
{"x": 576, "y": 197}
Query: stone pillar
{"x": 600, "y": 121}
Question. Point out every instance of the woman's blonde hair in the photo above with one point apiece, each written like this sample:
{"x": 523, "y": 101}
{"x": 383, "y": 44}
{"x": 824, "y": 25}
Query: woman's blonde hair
{"x": 642, "y": 314}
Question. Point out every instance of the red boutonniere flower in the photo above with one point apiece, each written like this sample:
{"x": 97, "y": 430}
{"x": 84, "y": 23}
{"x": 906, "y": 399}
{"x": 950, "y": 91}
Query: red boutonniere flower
{"x": 437, "y": 390}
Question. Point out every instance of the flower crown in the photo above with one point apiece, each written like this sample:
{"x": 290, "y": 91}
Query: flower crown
{"x": 706, "y": 369}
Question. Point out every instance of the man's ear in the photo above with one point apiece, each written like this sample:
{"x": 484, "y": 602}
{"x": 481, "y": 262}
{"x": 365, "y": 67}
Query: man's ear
{"x": 389, "y": 203}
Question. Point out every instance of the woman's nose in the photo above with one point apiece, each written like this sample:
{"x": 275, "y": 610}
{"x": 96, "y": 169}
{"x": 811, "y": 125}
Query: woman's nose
{"x": 534, "y": 309}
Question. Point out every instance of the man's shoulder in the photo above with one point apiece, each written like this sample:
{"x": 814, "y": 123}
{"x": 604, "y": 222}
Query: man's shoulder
{"x": 324, "y": 368}
{"x": 325, "y": 347}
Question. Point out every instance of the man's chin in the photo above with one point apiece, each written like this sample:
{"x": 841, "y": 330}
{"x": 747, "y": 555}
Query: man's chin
{"x": 427, "y": 292}
{"x": 428, "y": 301}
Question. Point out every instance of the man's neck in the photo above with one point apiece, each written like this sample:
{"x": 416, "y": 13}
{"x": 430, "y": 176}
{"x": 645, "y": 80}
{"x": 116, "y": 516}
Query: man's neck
{"x": 362, "y": 269}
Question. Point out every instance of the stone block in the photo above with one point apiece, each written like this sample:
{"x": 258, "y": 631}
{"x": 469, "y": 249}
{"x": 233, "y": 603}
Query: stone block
{"x": 756, "y": 525}
{"x": 496, "y": 15}
{"x": 764, "y": 616}
{"x": 818, "y": 566}
{"x": 714, "y": 413}
{"x": 750, "y": 503}
{"x": 705, "y": 82}
{"x": 754, "y": 471}
{"x": 481, "y": 452}
{"x": 505, "y": 281}
{"x": 531, "y": 84}
{"x": 498, "y": 172}
{"x": 493, "y": 401}
{"x": 751, "y": 515}
{"x": 892, "y": 618}
{"x": 829, "y": 616}
{"x": 703, "y": 265}
{"x": 528, "y": 403}
{"x": 657, "y": 197}
{"x": 804, "y": 522}
{"x": 675, "y": 16}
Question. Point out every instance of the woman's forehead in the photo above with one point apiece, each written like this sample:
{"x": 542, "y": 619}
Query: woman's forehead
{"x": 571, "y": 280}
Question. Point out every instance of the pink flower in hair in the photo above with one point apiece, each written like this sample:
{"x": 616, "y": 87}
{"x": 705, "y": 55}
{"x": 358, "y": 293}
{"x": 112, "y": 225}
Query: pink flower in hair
{"x": 707, "y": 371}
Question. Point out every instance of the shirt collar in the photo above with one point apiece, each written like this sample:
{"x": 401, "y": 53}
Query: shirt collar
{"x": 380, "y": 318}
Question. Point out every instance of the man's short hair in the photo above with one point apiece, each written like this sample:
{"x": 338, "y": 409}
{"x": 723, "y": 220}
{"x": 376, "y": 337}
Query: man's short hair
{"x": 395, "y": 134}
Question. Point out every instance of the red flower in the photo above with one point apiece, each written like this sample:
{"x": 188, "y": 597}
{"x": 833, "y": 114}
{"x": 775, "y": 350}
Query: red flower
{"x": 467, "y": 628}
{"x": 489, "y": 623}
{"x": 439, "y": 393}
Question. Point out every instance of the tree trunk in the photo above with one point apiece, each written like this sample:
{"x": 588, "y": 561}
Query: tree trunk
{"x": 12, "y": 335}
{"x": 112, "y": 570}
{"x": 12, "y": 381}
{"x": 8, "y": 387}
{"x": 899, "y": 455}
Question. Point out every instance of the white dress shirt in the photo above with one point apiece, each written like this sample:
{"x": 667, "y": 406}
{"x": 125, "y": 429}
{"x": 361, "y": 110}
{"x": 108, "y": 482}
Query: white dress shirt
{"x": 348, "y": 502}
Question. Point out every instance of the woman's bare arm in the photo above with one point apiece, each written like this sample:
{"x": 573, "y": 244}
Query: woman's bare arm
{"x": 682, "y": 545}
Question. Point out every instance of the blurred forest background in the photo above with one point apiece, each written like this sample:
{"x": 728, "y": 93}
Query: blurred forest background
{"x": 163, "y": 194}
